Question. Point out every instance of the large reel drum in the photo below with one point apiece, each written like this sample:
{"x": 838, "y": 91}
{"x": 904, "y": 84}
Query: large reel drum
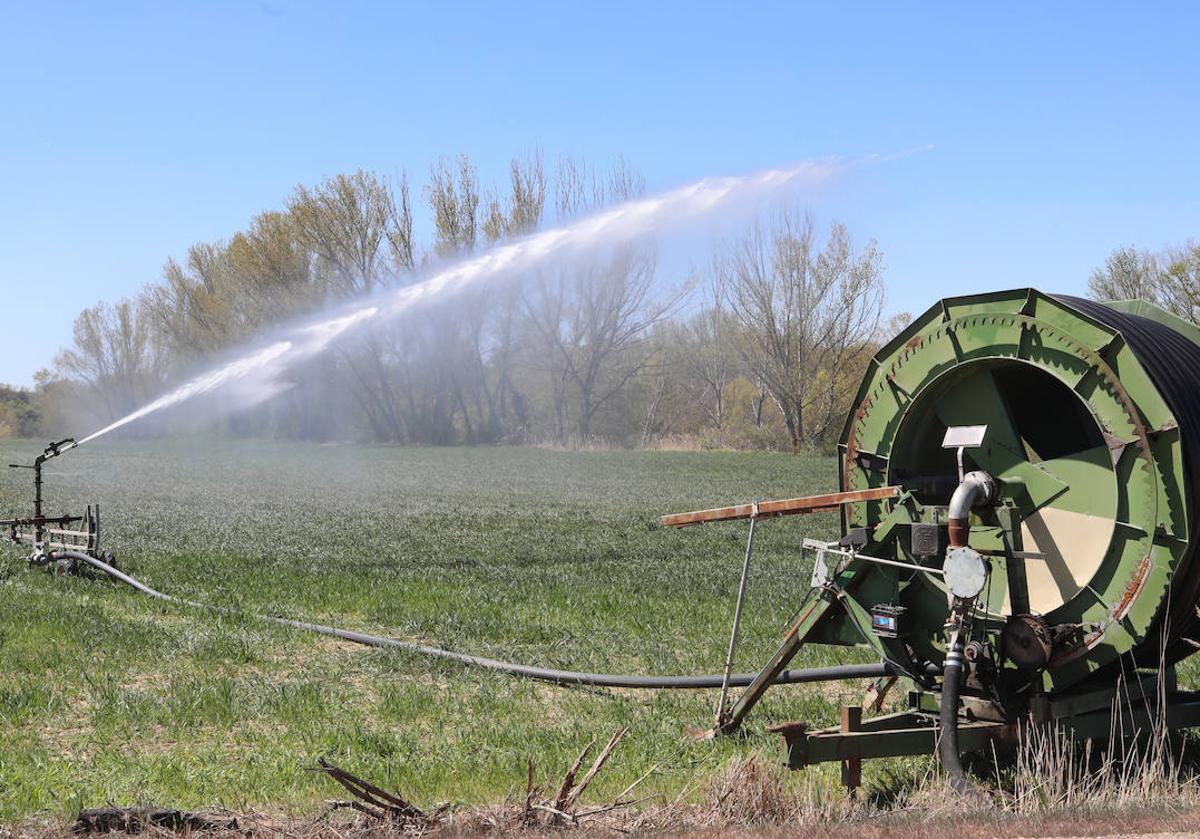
{"x": 1093, "y": 422}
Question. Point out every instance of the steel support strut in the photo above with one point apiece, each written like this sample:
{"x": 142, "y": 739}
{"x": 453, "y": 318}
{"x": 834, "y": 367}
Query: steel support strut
{"x": 816, "y": 605}
{"x": 737, "y": 623}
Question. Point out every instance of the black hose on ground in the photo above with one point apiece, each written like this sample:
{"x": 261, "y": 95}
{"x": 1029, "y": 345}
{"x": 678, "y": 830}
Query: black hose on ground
{"x": 559, "y": 677}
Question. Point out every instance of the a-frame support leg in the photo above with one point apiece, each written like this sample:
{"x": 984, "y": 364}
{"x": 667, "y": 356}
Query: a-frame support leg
{"x": 818, "y": 604}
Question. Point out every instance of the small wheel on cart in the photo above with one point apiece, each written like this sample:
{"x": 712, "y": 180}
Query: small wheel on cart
{"x": 110, "y": 559}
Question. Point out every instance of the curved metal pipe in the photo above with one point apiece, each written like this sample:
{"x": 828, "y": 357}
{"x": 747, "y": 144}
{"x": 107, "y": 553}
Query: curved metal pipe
{"x": 976, "y": 490}
{"x": 544, "y": 674}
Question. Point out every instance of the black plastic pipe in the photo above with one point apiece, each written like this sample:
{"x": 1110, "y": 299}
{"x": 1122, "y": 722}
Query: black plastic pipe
{"x": 544, "y": 674}
{"x": 948, "y": 718}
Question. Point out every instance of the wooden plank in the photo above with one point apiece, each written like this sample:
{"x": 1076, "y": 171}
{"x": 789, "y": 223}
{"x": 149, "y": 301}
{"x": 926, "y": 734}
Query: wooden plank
{"x": 64, "y": 542}
{"x": 785, "y": 507}
{"x": 851, "y": 767}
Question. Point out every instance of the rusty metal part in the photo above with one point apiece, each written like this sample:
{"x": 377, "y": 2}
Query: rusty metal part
{"x": 785, "y": 507}
{"x": 892, "y": 735}
{"x": 851, "y": 766}
{"x": 1027, "y": 641}
{"x": 958, "y": 531}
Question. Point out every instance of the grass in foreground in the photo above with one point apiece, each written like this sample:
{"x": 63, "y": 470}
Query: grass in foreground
{"x": 529, "y": 555}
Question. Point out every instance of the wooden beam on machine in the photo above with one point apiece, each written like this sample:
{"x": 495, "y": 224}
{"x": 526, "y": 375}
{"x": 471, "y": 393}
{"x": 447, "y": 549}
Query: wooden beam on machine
{"x": 784, "y": 507}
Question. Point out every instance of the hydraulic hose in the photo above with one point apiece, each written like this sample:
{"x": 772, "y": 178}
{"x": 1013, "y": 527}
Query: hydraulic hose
{"x": 544, "y": 674}
{"x": 948, "y": 717}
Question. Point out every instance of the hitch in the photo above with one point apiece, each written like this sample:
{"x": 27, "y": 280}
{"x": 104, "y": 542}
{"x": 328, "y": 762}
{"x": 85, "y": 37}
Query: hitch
{"x": 47, "y": 535}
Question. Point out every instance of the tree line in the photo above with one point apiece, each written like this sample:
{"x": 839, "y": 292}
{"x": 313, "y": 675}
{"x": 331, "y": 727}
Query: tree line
{"x": 764, "y": 347}
{"x": 1169, "y": 277}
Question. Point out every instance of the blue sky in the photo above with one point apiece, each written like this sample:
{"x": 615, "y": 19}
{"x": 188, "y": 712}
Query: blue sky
{"x": 129, "y": 131}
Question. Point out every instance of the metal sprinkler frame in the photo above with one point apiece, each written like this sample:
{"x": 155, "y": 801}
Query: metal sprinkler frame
{"x": 50, "y": 536}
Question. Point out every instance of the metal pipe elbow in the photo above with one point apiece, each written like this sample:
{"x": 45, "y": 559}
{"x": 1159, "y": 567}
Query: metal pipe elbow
{"x": 976, "y": 490}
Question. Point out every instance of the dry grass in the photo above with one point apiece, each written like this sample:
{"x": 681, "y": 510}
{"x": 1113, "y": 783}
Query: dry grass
{"x": 1055, "y": 775}
{"x": 687, "y": 820}
{"x": 1051, "y": 786}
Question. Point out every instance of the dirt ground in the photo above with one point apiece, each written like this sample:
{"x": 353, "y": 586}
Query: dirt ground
{"x": 1137, "y": 824}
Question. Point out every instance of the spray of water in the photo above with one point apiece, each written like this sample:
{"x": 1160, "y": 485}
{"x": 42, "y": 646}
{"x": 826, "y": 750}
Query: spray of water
{"x": 261, "y": 368}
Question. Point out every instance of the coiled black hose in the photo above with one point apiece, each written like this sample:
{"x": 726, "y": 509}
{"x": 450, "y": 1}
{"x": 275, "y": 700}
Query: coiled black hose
{"x": 558, "y": 677}
{"x": 1172, "y": 362}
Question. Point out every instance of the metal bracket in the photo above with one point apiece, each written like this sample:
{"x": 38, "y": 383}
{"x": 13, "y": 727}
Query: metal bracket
{"x": 963, "y": 437}
{"x": 823, "y": 575}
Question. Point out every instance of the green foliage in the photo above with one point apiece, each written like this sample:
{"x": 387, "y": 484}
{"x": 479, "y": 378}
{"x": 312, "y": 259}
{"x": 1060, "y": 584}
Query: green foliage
{"x": 1170, "y": 278}
{"x": 20, "y": 415}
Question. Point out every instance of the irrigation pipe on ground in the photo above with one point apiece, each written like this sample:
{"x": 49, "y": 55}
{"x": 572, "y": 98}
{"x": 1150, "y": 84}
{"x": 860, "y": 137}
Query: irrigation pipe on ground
{"x": 544, "y": 674}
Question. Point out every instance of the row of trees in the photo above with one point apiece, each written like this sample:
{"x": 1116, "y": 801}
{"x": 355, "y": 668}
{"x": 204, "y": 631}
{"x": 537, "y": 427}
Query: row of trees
{"x": 764, "y": 348}
{"x": 1170, "y": 278}
{"x": 20, "y": 413}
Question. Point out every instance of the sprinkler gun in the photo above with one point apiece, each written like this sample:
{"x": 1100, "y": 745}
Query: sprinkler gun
{"x": 47, "y": 534}
{"x": 55, "y": 449}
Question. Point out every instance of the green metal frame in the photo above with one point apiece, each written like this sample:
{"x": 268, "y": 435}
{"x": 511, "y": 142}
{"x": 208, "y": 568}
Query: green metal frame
{"x": 1120, "y": 711}
{"x": 854, "y": 586}
{"x": 1118, "y": 607}
{"x": 1136, "y": 477}
{"x": 892, "y": 735}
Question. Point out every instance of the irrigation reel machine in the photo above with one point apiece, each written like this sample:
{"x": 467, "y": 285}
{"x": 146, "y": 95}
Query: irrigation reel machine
{"x": 1019, "y": 509}
{"x": 1020, "y": 506}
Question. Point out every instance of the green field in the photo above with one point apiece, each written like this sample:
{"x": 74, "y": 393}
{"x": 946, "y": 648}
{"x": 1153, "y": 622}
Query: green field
{"x": 544, "y": 557}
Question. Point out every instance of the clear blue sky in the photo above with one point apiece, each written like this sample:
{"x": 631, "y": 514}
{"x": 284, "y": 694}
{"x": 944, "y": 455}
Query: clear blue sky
{"x": 130, "y": 131}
